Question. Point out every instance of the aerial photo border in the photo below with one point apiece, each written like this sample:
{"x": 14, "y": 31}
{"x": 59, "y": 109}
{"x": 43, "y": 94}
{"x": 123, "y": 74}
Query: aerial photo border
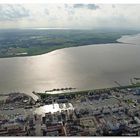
{"x": 70, "y": 1}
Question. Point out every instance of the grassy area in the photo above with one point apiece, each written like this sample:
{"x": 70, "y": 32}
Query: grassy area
{"x": 35, "y": 42}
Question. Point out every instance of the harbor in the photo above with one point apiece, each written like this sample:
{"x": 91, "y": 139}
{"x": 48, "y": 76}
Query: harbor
{"x": 98, "y": 112}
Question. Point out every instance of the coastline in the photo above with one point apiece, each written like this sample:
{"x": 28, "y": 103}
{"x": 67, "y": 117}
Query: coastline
{"x": 82, "y": 92}
{"x": 54, "y": 49}
{"x": 117, "y": 40}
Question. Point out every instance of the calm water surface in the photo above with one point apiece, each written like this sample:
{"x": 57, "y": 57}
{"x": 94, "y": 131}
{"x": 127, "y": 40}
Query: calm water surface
{"x": 85, "y": 67}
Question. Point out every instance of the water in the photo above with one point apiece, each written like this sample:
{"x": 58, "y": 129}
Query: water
{"x": 85, "y": 67}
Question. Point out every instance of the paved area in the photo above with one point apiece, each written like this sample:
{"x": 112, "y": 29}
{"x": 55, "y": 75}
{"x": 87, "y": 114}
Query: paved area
{"x": 21, "y": 111}
{"x": 38, "y": 126}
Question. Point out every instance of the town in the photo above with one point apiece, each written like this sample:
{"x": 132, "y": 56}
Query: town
{"x": 104, "y": 112}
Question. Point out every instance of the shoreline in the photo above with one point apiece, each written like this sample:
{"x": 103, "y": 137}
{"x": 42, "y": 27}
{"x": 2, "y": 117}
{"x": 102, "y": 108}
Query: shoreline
{"x": 62, "y": 47}
{"x": 45, "y": 94}
{"x": 16, "y": 94}
{"x": 49, "y": 51}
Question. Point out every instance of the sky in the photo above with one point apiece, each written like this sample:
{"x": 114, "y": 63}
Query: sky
{"x": 75, "y": 16}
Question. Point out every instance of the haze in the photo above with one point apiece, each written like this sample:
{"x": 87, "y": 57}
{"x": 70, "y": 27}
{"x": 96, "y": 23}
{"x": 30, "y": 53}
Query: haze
{"x": 69, "y": 16}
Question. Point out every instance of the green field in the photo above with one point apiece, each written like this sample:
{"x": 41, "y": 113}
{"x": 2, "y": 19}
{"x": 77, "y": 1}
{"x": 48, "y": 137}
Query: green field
{"x": 29, "y": 42}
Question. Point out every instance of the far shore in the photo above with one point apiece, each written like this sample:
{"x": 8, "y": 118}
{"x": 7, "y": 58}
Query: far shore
{"x": 42, "y": 51}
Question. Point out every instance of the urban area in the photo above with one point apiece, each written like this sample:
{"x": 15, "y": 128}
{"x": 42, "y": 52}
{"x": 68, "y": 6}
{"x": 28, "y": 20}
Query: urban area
{"x": 103, "y": 112}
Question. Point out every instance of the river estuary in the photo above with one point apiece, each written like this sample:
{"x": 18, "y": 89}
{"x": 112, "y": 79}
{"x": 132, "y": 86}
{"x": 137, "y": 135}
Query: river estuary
{"x": 84, "y": 67}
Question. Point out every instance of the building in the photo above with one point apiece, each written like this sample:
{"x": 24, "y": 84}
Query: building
{"x": 3, "y": 99}
{"x": 13, "y": 129}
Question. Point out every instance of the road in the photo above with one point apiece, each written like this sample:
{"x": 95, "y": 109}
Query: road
{"x": 38, "y": 126}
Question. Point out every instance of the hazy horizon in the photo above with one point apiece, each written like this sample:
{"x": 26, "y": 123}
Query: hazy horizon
{"x": 69, "y": 16}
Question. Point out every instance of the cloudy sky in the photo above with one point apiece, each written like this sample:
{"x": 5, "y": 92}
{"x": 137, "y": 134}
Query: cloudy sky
{"x": 69, "y": 16}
